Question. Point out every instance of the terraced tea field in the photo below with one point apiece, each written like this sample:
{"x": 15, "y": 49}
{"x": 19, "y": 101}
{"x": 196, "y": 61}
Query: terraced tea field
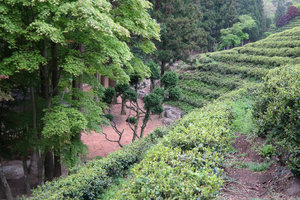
{"x": 213, "y": 74}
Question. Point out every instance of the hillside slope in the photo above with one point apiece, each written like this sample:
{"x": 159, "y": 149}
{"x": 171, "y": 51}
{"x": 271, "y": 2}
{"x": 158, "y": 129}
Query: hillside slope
{"x": 184, "y": 161}
{"x": 292, "y": 24}
{"x": 213, "y": 74}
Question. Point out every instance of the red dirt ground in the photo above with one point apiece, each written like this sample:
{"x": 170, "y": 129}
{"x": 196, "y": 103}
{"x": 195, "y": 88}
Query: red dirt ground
{"x": 99, "y": 146}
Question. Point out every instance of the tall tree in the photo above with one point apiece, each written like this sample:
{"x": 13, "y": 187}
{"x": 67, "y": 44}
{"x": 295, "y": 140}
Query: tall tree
{"x": 254, "y": 8}
{"x": 180, "y": 30}
{"x": 217, "y": 15}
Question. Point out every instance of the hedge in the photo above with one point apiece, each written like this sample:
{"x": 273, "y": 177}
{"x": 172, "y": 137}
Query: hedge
{"x": 186, "y": 163}
{"x": 253, "y": 59}
{"x": 277, "y": 111}
{"x": 283, "y": 52}
{"x": 213, "y": 78}
{"x": 89, "y": 182}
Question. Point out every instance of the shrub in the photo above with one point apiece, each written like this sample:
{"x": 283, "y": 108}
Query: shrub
{"x": 131, "y": 120}
{"x": 185, "y": 164}
{"x": 109, "y": 93}
{"x": 277, "y": 109}
{"x": 130, "y": 95}
{"x": 169, "y": 79}
{"x": 174, "y": 93}
{"x": 121, "y": 88}
{"x": 266, "y": 150}
{"x": 110, "y": 117}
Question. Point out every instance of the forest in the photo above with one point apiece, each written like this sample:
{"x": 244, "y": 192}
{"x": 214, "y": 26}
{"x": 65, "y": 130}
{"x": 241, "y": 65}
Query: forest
{"x": 149, "y": 99}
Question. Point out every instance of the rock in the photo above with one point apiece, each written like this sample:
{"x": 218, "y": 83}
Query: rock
{"x": 172, "y": 112}
{"x": 141, "y": 94}
{"x": 167, "y": 121}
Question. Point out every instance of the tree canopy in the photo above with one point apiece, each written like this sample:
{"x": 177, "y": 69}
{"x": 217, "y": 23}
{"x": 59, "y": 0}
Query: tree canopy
{"x": 50, "y": 48}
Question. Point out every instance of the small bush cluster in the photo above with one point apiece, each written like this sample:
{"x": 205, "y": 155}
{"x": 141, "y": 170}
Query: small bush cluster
{"x": 170, "y": 83}
{"x": 277, "y": 111}
{"x": 186, "y": 163}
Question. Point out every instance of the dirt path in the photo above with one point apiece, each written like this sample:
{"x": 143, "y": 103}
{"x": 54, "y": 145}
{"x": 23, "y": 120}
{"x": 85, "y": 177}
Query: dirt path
{"x": 246, "y": 179}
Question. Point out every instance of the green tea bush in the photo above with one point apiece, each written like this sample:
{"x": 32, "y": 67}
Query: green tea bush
{"x": 89, "y": 181}
{"x": 213, "y": 79}
{"x": 282, "y": 52}
{"x": 186, "y": 163}
{"x": 277, "y": 110}
{"x": 234, "y": 69}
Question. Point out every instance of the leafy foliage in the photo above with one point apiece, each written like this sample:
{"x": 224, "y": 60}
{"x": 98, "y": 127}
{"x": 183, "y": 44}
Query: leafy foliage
{"x": 255, "y": 9}
{"x": 170, "y": 79}
{"x": 277, "y": 108}
{"x": 109, "y": 93}
{"x": 89, "y": 181}
{"x": 180, "y": 30}
{"x": 235, "y": 35}
{"x": 184, "y": 164}
{"x": 291, "y": 14}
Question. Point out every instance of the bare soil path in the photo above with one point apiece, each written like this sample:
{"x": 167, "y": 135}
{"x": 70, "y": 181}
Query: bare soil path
{"x": 242, "y": 183}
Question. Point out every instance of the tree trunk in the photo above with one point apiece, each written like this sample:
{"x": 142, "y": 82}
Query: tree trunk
{"x": 162, "y": 70}
{"x": 26, "y": 175}
{"x": 57, "y": 165}
{"x": 145, "y": 121}
{"x": 49, "y": 166}
{"x": 5, "y": 185}
{"x": 136, "y": 125}
{"x": 152, "y": 85}
{"x": 112, "y": 84}
{"x": 123, "y": 111}
{"x": 41, "y": 167}
{"x": 55, "y": 81}
{"x": 41, "y": 158}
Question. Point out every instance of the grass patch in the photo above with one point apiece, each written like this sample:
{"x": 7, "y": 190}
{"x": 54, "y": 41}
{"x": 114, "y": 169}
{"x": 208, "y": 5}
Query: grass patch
{"x": 259, "y": 167}
{"x": 252, "y": 166}
{"x": 242, "y": 155}
{"x": 243, "y": 119}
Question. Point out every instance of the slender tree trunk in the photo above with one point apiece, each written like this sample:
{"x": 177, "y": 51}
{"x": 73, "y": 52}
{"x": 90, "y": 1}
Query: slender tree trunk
{"x": 40, "y": 155}
{"x": 26, "y": 175}
{"x": 162, "y": 70}
{"x": 112, "y": 84}
{"x": 49, "y": 166}
{"x": 145, "y": 121}
{"x": 136, "y": 125}
{"x": 102, "y": 81}
{"x": 47, "y": 158}
{"x": 55, "y": 81}
{"x": 152, "y": 85}
{"x": 41, "y": 167}
{"x": 57, "y": 165}
{"x": 4, "y": 183}
{"x": 123, "y": 111}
